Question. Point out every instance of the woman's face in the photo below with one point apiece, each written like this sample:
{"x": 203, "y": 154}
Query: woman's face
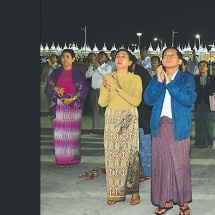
{"x": 203, "y": 68}
{"x": 122, "y": 60}
{"x": 67, "y": 59}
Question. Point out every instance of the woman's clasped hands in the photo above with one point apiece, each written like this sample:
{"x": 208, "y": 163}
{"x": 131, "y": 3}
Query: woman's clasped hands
{"x": 60, "y": 93}
{"x": 117, "y": 85}
{"x": 106, "y": 82}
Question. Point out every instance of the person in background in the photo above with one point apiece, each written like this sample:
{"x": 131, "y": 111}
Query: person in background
{"x": 192, "y": 65}
{"x": 183, "y": 67}
{"x": 155, "y": 61}
{"x": 52, "y": 63}
{"x": 204, "y": 117}
{"x": 121, "y": 93}
{"x": 66, "y": 91}
{"x": 96, "y": 71}
{"x": 144, "y": 59}
{"x": 172, "y": 94}
{"x": 87, "y": 105}
{"x": 111, "y": 62}
{"x": 84, "y": 63}
{"x": 43, "y": 62}
{"x": 144, "y": 112}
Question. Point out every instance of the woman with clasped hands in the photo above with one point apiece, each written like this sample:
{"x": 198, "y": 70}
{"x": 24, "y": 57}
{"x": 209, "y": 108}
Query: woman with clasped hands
{"x": 121, "y": 93}
{"x": 66, "y": 91}
{"x": 171, "y": 93}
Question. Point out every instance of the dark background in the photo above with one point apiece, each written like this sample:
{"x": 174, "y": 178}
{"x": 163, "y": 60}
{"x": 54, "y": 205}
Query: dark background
{"x": 117, "y": 22}
{"x": 20, "y": 108}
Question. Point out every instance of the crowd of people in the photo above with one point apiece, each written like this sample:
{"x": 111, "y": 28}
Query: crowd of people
{"x": 144, "y": 107}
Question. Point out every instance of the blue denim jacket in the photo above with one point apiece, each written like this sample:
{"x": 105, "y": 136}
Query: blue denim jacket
{"x": 183, "y": 95}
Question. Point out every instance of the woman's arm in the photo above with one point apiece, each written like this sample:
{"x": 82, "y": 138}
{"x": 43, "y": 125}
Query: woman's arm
{"x": 136, "y": 97}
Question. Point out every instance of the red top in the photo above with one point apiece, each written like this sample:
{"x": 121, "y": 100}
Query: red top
{"x": 65, "y": 81}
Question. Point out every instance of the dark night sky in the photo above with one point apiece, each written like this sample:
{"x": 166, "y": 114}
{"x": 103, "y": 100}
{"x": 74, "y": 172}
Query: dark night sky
{"x": 116, "y": 22}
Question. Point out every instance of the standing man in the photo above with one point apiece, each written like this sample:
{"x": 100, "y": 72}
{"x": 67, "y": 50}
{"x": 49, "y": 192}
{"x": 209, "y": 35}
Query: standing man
{"x": 91, "y": 60}
{"x": 192, "y": 66}
{"x": 172, "y": 93}
{"x": 144, "y": 59}
{"x": 97, "y": 70}
{"x": 50, "y": 66}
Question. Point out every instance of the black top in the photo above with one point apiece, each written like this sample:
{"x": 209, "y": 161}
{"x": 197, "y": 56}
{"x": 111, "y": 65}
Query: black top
{"x": 207, "y": 90}
{"x": 143, "y": 109}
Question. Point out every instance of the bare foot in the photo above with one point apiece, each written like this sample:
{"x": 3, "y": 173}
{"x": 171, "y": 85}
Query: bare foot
{"x": 135, "y": 199}
{"x": 109, "y": 202}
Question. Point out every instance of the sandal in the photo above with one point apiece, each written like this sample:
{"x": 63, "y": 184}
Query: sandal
{"x": 103, "y": 170}
{"x": 162, "y": 208}
{"x": 95, "y": 173}
{"x": 135, "y": 201}
{"x": 94, "y": 131}
{"x": 84, "y": 175}
{"x": 210, "y": 146}
{"x": 184, "y": 211}
{"x": 61, "y": 166}
{"x": 144, "y": 178}
{"x": 109, "y": 202}
{"x": 90, "y": 177}
{"x": 193, "y": 146}
{"x": 70, "y": 165}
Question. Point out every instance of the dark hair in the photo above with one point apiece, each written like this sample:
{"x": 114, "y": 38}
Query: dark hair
{"x": 69, "y": 51}
{"x": 57, "y": 57}
{"x": 134, "y": 59}
{"x": 128, "y": 52}
{"x": 134, "y": 62}
{"x": 143, "y": 48}
{"x": 112, "y": 51}
{"x": 102, "y": 52}
{"x": 179, "y": 54}
{"x": 92, "y": 54}
{"x": 155, "y": 56}
{"x": 184, "y": 61}
{"x": 203, "y": 61}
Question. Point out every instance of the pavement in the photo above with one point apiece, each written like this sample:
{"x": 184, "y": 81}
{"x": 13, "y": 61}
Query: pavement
{"x": 64, "y": 193}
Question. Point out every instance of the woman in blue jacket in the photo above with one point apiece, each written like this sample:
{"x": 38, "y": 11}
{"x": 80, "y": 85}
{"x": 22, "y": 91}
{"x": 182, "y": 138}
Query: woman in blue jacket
{"x": 171, "y": 93}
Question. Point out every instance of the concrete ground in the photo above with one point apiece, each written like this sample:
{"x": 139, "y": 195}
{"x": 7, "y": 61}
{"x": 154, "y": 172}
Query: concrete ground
{"x": 64, "y": 193}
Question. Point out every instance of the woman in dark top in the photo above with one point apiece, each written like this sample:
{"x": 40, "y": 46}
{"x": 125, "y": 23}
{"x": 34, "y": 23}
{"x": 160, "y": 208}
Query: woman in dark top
{"x": 204, "y": 117}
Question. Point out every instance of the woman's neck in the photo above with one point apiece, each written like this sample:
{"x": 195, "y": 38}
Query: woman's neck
{"x": 67, "y": 67}
{"x": 203, "y": 74}
{"x": 122, "y": 72}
